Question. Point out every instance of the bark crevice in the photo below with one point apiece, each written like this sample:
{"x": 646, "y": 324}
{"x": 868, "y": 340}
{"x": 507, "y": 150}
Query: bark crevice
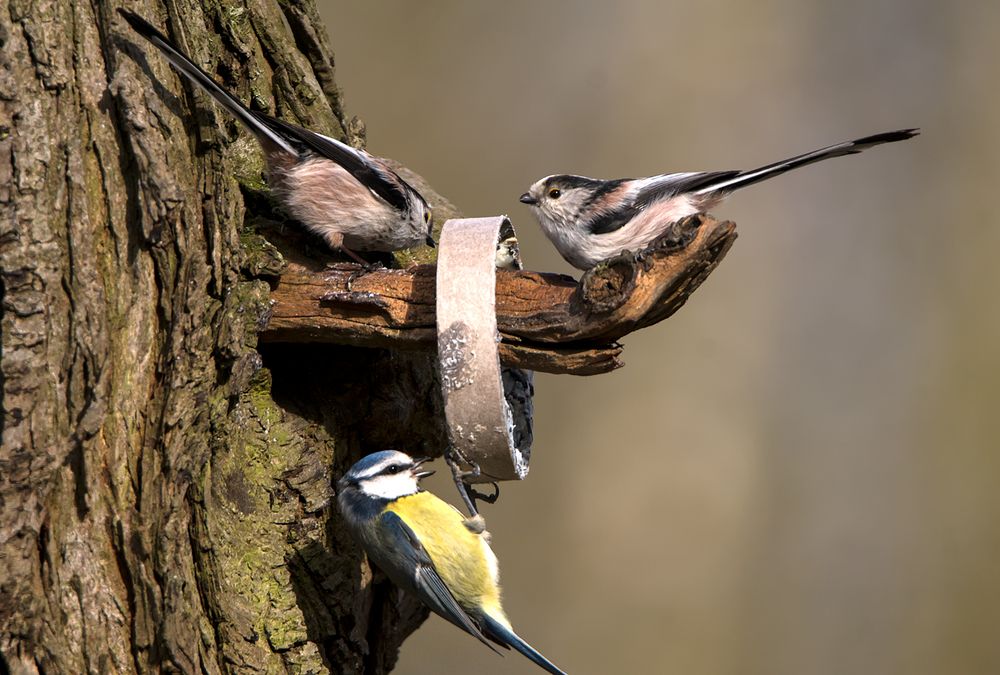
{"x": 165, "y": 485}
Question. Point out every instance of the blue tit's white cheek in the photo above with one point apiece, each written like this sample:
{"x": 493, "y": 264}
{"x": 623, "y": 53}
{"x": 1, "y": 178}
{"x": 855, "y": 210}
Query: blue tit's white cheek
{"x": 390, "y": 486}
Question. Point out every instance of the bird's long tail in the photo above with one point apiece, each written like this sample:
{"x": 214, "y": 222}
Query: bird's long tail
{"x": 498, "y": 632}
{"x": 745, "y": 178}
{"x": 189, "y": 69}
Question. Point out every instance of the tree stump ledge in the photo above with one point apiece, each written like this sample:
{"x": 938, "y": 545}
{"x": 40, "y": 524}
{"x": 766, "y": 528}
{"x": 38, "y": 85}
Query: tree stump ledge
{"x": 547, "y": 322}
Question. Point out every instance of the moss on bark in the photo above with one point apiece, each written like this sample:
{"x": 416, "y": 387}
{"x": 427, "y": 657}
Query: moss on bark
{"x": 165, "y": 484}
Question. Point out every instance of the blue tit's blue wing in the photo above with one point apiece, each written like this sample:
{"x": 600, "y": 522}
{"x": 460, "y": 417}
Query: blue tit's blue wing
{"x": 379, "y": 179}
{"x": 426, "y": 582}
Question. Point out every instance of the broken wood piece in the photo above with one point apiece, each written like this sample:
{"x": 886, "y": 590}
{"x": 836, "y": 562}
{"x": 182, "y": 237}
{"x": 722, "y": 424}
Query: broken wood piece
{"x": 548, "y": 322}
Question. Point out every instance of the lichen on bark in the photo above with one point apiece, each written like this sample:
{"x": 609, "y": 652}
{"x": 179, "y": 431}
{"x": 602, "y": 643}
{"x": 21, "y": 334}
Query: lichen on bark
{"x": 165, "y": 484}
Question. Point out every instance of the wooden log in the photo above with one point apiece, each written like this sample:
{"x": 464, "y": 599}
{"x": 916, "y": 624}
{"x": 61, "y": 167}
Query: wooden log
{"x": 548, "y": 322}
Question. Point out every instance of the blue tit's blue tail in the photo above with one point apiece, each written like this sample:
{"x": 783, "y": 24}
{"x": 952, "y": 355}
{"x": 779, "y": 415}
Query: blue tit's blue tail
{"x": 497, "y": 632}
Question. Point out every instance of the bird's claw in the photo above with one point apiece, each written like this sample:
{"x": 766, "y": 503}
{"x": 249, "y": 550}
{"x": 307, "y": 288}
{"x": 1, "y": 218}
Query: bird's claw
{"x": 489, "y": 499}
{"x": 366, "y": 268}
{"x": 468, "y": 493}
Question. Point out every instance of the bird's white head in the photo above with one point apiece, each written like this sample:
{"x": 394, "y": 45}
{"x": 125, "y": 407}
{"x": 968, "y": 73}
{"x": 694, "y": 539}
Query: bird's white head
{"x": 560, "y": 202}
{"x": 569, "y": 208}
{"x": 420, "y": 215}
{"x": 388, "y": 474}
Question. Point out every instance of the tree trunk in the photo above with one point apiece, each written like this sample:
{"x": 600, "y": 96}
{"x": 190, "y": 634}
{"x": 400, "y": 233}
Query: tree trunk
{"x": 165, "y": 485}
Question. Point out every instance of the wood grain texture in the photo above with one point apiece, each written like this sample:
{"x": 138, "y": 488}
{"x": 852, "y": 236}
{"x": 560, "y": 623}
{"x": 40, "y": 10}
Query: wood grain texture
{"x": 548, "y": 322}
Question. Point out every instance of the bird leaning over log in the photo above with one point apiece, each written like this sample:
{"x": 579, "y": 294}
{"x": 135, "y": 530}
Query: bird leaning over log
{"x": 350, "y": 198}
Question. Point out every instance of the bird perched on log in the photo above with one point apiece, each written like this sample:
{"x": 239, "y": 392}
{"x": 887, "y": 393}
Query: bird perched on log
{"x": 589, "y": 220}
{"x": 352, "y": 199}
{"x": 427, "y": 547}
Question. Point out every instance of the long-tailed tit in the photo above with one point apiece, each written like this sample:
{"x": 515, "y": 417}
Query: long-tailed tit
{"x": 352, "y": 199}
{"x": 589, "y": 220}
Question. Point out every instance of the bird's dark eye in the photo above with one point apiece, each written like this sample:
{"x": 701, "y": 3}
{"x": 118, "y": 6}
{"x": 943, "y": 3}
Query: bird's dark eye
{"x": 393, "y": 468}
{"x": 554, "y": 193}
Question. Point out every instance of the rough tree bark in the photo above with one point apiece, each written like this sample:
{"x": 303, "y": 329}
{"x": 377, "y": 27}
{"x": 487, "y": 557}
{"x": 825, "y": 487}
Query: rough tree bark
{"x": 164, "y": 483}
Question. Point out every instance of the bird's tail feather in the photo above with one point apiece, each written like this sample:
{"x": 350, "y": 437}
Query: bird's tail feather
{"x": 495, "y": 630}
{"x": 745, "y": 178}
{"x": 189, "y": 69}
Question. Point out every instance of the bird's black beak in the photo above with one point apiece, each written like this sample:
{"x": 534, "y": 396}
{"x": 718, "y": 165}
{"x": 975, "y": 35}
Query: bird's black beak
{"x": 528, "y": 199}
{"x": 430, "y": 241}
{"x": 421, "y": 474}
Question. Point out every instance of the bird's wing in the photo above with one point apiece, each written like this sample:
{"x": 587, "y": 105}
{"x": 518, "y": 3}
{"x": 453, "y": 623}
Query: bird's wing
{"x": 610, "y": 221}
{"x": 427, "y": 583}
{"x": 673, "y": 184}
{"x": 361, "y": 165}
{"x": 379, "y": 179}
{"x": 650, "y": 190}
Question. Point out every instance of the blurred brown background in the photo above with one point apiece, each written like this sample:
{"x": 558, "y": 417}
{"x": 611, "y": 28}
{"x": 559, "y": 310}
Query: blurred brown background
{"x": 798, "y": 472}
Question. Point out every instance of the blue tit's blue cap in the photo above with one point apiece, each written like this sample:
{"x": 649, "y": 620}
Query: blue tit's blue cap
{"x": 371, "y": 464}
{"x": 366, "y": 463}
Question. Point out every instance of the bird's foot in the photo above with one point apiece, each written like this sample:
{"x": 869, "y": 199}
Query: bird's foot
{"x": 366, "y": 268}
{"x": 461, "y": 477}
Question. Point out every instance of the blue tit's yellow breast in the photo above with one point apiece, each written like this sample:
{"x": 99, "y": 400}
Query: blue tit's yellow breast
{"x": 461, "y": 557}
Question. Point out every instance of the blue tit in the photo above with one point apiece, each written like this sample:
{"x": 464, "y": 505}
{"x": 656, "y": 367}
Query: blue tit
{"x": 427, "y": 547}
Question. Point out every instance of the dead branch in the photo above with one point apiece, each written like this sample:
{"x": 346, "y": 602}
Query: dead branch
{"x": 548, "y": 322}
